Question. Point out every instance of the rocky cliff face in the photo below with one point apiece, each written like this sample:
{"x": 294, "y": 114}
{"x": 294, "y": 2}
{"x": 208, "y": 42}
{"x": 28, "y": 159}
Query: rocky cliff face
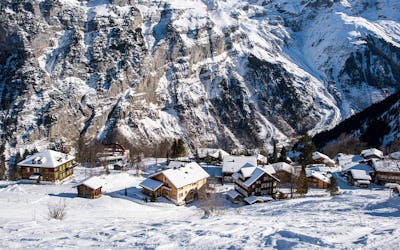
{"x": 215, "y": 72}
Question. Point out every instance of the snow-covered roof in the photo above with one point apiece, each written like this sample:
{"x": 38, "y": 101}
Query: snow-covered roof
{"x": 392, "y": 185}
{"x": 247, "y": 170}
{"x": 319, "y": 175}
{"x": 283, "y": 166}
{"x": 386, "y": 165}
{"x": 395, "y": 155}
{"x": 189, "y": 173}
{"x": 371, "y": 152}
{"x": 232, "y": 164}
{"x": 359, "y": 174}
{"x": 213, "y": 152}
{"x": 151, "y": 184}
{"x": 363, "y": 182}
{"x": 93, "y": 182}
{"x": 269, "y": 169}
{"x": 319, "y": 168}
{"x": 253, "y": 199}
{"x": 176, "y": 164}
{"x": 233, "y": 194}
{"x": 257, "y": 173}
{"x": 318, "y": 155}
{"x": 262, "y": 158}
{"x": 46, "y": 159}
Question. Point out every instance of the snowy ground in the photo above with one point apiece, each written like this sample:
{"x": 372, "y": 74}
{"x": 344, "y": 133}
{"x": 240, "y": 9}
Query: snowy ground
{"x": 358, "y": 218}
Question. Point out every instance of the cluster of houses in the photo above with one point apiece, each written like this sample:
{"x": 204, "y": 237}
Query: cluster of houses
{"x": 253, "y": 179}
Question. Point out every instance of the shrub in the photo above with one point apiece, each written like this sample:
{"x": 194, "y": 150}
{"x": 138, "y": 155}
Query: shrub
{"x": 57, "y": 210}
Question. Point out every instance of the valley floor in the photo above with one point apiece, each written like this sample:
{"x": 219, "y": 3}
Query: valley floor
{"x": 358, "y": 218}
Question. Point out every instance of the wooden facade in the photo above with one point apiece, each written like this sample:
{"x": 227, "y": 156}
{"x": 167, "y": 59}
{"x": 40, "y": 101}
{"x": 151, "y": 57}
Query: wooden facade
{"x": 87, "y": 192}
{"x": 178, "y": 195}
{"x": 51, "y": 174}
{"x": 265, "y": 184}
{"x": 382, "y": 177}
{"x": 316, "y": 183}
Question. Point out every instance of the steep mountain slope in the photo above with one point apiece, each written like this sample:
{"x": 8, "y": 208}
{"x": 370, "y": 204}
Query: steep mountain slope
{"x": 377, "y": 125}
{"x": 215, "y": 72}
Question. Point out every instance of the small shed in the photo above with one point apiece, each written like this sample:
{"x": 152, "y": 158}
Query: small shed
{"x": 90, "y": 188}
{"x": 359, "y": 178}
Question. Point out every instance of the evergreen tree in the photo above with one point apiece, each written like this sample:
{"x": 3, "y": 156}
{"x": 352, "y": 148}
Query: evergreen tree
{"x": 220, "y": 157}
{"x": 196, "y": 156}
{"x": 274, "y": 158}
{"x": 333, "y": 187}
{"x": 178, "y": 148}
{"x": 306, "y": 148}
{"x": 174, "y": 149}
{"x": 2, "y": 167}
{"x": 302, "y": 184}
{"x": 208, "y": 158}
{"x": 181, "y": 148}
{"x": 283, "y": 155}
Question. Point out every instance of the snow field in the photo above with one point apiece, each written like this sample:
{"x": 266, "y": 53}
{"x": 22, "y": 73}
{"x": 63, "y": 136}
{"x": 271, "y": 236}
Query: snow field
{"x": 358, "y": 218}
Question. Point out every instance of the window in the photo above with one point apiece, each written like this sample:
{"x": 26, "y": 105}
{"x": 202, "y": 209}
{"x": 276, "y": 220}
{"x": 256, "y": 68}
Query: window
{"x": 28, "y": 170}
{"x": 36, "y": 170}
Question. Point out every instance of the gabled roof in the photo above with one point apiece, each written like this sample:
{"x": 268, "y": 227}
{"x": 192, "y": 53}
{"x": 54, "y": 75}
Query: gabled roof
{"x": 233, "y": 194}
{"x": 386, "y": 165}
{"x": 317, "y": 155}
{"x": 93, "y": 182}
{"x": 247, "y": 170}
{"x": 253, "y": 199}
{"x": 318, "y": 175}
{"x": 188, "y": 174}
{"x": 283, "y": 166}
{"x": 213, "y": 152}
{"x": 151, "y": 184}
{"x": 269, "y": 169}
{"x": 255, "y": 175}
{"x": 359, "y": 174}
{"x": 232, "y": 164}
{"x": 372, "y": 152}
{"x": 46, "y": 159}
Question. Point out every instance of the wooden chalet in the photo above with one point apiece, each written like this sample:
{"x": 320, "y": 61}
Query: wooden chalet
{"x": 90, "y": 188}
{"x": 211, "y": 154}
{"x": 180, "y": 184}
{"x": 372, "y": 153}
{"x": 113, "y": 153}
{"x": 255, "y": 181}
{"x": 320, "y": 158}
{"x": 317, "y": 179}
{"x": 359, "y": 178}
{"x": 48, "y": 165}
{"x": 386, "y": 171}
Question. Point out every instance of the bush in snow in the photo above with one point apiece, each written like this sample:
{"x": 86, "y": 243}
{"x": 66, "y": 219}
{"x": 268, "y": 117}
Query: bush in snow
{"x": 57, "y": 211}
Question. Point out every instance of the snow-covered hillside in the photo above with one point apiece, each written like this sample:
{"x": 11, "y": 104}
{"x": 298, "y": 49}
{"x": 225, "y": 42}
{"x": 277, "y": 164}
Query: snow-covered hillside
{"x": 358, "y": 218}
{"x": 214, "y": 72}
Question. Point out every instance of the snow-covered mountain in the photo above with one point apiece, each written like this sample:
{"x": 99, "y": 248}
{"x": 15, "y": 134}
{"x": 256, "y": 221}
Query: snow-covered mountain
{"x": 214, "y": 72}
{"x": 377, "y": 126}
